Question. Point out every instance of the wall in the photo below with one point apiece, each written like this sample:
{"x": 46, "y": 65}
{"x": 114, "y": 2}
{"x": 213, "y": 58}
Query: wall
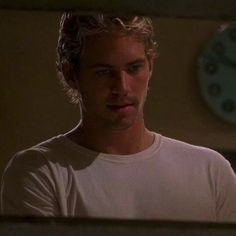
{"x": 33, "y": 107}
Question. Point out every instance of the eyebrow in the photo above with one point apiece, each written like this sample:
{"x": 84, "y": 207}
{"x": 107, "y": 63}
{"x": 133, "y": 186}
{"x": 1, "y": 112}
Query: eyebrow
{"x": 96, "y": 65}
{"x": 136, "y": 61}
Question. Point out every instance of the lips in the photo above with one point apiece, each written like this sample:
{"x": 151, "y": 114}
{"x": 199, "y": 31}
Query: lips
{"x": 117, "y": 107}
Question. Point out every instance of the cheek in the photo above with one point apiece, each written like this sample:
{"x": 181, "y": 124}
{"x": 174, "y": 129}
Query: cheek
{"x": 93, "y": 98}
{"x": 141, "y": 84}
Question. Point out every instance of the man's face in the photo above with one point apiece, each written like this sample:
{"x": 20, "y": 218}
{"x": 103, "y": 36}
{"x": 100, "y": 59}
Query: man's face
{"x": 113, "y": 81}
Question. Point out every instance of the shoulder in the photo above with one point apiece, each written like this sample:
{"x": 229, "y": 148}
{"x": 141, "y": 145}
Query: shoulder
{"x": 35, "y": 157}
{"x": 39, "y": 153}
{"x": 52, "y": 156}
{"x": 196, "y": 162}
{"x": 191, "y": 154}
{"x": 187, "y": 149}
{"x": 32, "y": 177}
{"x": 35, "y": 164}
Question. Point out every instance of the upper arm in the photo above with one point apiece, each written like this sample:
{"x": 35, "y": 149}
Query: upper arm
{"x": 27, "y": 186}
{"x": 225, "y": 192}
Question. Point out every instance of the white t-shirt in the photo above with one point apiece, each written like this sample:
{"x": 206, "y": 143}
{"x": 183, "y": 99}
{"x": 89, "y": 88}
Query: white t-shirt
{"x": 171, "y": 180}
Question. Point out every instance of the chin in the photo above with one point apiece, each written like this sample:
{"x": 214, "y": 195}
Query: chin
{"x": 123, "y": 125}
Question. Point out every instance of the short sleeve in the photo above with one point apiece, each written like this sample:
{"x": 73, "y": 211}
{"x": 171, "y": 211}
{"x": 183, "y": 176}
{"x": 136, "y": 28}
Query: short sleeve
{"x": 27, "y": 186}
{"x": 225, "y": 181}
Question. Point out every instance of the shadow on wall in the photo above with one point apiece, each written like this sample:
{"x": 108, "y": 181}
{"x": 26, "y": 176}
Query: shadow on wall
{"x": 231, "y": 157}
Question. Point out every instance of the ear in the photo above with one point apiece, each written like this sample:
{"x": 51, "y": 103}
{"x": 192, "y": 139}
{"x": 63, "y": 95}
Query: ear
{"x": 70, "y": 76}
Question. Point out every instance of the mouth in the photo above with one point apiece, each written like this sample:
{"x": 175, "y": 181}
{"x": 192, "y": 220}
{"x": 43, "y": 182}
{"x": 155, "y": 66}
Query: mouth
{"x": 120, "y": 107}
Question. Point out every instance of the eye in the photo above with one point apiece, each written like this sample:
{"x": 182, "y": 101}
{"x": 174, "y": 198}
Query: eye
{"x": 135, "y": 68}
{"x": 103, "y": 72}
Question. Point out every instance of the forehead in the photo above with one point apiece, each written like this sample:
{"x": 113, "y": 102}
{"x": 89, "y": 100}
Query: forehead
{"x": 113, "y": 47}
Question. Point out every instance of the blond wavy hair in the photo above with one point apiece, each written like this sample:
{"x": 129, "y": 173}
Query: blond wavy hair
{"x": 76, "y": 28}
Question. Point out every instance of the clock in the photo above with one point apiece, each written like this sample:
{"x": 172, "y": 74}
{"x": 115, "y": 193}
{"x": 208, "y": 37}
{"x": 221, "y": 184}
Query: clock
{"x": 217, "y": 73}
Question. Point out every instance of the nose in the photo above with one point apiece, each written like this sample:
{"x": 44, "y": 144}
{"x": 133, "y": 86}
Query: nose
{"x": 120, "y": 83}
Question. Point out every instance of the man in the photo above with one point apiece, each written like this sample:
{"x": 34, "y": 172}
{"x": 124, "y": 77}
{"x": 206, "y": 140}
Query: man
{"x": 111, "y": 165}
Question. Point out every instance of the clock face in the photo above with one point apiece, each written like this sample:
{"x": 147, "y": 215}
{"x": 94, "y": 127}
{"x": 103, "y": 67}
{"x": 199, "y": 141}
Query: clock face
{"x": 217, "y": 73}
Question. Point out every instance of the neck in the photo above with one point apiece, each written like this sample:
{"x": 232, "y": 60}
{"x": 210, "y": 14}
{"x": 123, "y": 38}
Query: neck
{"x": 122, "y": 142}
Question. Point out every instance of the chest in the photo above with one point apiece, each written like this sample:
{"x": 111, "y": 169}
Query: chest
{"x": 146, "y": 193}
